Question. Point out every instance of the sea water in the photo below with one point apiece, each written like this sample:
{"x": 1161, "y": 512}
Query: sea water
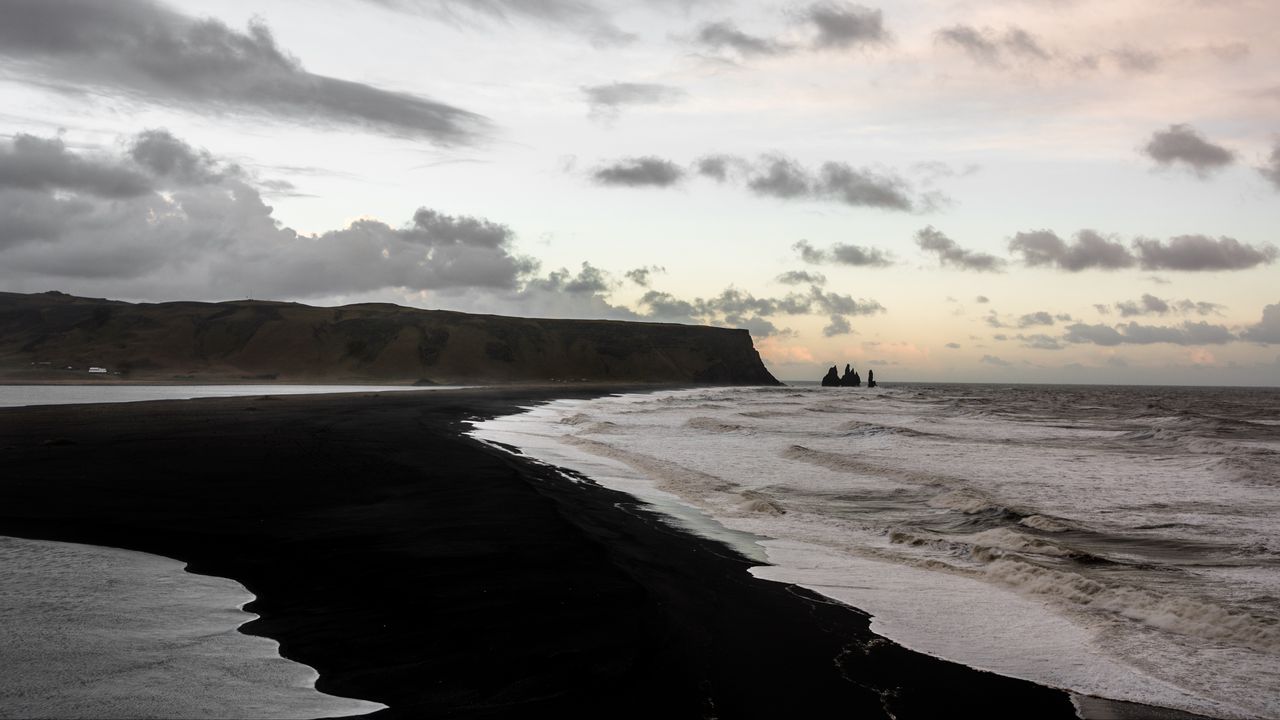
{"x": 24, "y": 395}
{"x": 1117, "y": 542}
{"x": 95, "y": 632}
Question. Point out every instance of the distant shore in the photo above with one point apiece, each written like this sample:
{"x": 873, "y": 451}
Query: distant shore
{"x": 416, "y": 567}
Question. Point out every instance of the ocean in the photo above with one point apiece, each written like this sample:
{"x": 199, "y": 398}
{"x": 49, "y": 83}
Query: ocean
{"x": 1117, "y": 542}
{"x": 96, "y": 632}
{"x": 24, "y": 395}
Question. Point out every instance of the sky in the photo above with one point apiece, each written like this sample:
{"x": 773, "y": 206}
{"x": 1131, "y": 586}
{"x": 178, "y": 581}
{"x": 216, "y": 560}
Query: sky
{"x": 939, "y": 190}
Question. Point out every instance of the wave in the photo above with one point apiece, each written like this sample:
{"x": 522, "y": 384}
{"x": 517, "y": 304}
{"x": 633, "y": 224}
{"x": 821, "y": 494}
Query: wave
{"x": 715, "y": 425}
{"x": 1182, "y": 615}
{"x": 858, "y": 428}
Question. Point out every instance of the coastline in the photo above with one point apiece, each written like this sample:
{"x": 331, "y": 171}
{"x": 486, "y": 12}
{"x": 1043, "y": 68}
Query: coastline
{"x": 417, "y": 567}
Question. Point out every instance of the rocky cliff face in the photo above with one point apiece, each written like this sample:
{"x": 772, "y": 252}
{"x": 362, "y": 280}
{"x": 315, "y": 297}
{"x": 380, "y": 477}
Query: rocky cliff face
{"x": 42, "y": 335}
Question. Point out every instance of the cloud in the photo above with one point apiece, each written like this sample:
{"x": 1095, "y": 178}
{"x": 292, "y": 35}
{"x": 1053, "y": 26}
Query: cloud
{"x": 802, "y": 277}
{"x": 993, "y": 360}
{"x": 1132, "y": 333}
{"x": 982, "y": 299}
{"x": 1035, "y": 318}
{"x": 952, "y": 346}
{"x": 147, "y": 50}
{"x": 43, "y": 165}
{"x": 1040, "y": 342}
{"x": 1267, "y": 331}
{"x": 1181, "y": 144}
{"x": 577, "y": 16}
{"x": 726, "y": 35}
{"x": 862, "y": 187}
{"x": 720, "y": 167}
{"x": 834, "y": 25}
{"x": 842, "y": 254}
{"x": 843, "y": 25}
{"x": 1093, "y": 251}
{"x": 1090, "y": 250}
{"x": 202, "y": 231}
{"x": 641, "y": 275}
{"x": 780, "y": 177}
{"x": 951, "y": 254}
{"x": 647, "y": 171}
{"x": 988, "y": 47}
{"x": 1149, "y": 304}
{"x": 1135, "y": 60}
{"x": 606, "y": 101}
{"x": 1271, "y": 170}
{"x": 1195, "y": 253}
{"x": 839, "y": 326}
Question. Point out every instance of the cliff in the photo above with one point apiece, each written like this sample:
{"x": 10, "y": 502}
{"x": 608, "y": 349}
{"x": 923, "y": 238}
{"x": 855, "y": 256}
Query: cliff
{"x": 43, "y": 335}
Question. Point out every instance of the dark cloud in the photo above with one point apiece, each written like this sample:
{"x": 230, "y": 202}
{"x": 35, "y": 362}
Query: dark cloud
{"x": 720, "y": 167}
{"x": 202, "y": 231}
{"x": 982, "y": 299}
{"x": 780, "y": 177}
{"x": 802, "y": 277}
{"x": 1090, "y": 250}
{"x": 606, "y": 101}
{"x": 167, "y": 156}
{"x": 993, "y": 360}
{"x": 1040, "y": 341}
{"x": 665, "y": 306}
{"x": 1271, "y": 170}
{"x": 839, "y": 325}
{"x": 1268, "y": 330}
{"x": 1132, "y": 333}
{"x": 642, "y": 275}
{"x": 842, "y": 254}
{"x": 989, "y": 47}
{"x": 861, "y": 187}
{"x": 1102, "y": 309}
{"x": 1181, "y": 144}
{"x": 951, "y": 254}
{"x": 40, "y": 164}
{"x": 726, "y": 35}
{"x": 1147, "y": 305}
{"x": 837, "y": 304}
{"x": 843, "y": 25}
{"x": 151, "y": 51}
{"x": 1035, "y": 318}
{"x": 648, "y": 171}
{"x": 953, "y": 346}
{"x": 1194, "y": 253}
{"x": 1188, "y": 307}
{"x": 590, "y": 280}
{"x": 836, "y": 25}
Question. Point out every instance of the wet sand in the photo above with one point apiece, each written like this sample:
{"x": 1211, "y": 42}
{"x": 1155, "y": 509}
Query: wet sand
{"x": 416, "y": 567}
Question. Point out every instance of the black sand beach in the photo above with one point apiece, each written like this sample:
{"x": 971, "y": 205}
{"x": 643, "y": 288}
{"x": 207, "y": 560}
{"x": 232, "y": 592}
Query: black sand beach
{"x": 416, "y": 567}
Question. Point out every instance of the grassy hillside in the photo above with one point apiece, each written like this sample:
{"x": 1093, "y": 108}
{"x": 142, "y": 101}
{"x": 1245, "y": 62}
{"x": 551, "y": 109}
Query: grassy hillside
{"x": 43, "y": 335}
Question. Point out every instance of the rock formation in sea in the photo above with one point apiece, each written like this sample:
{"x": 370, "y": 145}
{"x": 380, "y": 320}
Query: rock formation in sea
{"x": 851, "y": 378}
{"x": 832, "y": 378}
{"x": 871, "y": 378}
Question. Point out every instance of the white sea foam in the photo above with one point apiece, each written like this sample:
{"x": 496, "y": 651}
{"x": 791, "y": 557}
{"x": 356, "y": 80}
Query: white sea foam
{"x": 1077, "y": 540}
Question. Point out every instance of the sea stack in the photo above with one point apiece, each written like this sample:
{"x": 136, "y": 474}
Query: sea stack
{"x": 832, "y": 378}
{"x": 871, "y": 378}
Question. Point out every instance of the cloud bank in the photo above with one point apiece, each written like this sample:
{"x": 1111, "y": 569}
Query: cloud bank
{"x": 147, "y": 50}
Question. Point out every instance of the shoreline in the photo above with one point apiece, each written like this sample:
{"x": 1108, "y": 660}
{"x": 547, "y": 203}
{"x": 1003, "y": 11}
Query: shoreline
{"x": 412, "y": 565}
